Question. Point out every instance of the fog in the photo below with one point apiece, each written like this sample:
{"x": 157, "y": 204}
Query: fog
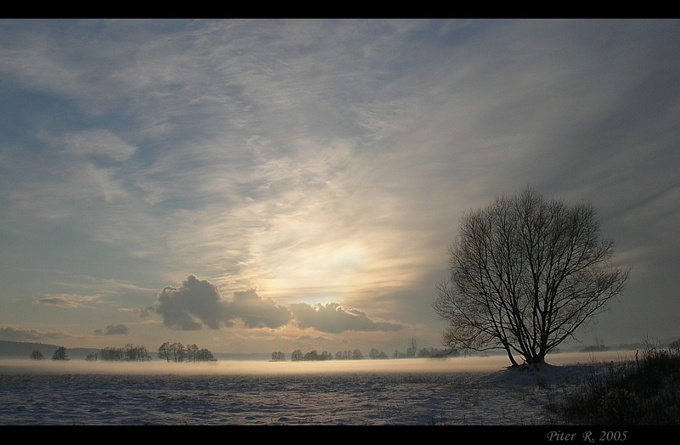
{"x": 228, "y": 367}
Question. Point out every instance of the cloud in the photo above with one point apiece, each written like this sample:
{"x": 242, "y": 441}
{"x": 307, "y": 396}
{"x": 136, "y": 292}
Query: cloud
{"x": 194, "y": 304}
{"x": 257, "y": 312}
{"x": 66, "y": 301}
{"x": 144, "y": 312}
{"x": 98, "y": 143}
{"x": 13, "y": 333}
{"x": 334, "y": 319}
{"x": 197, "y": 303}
{"x": 113, "y": 329}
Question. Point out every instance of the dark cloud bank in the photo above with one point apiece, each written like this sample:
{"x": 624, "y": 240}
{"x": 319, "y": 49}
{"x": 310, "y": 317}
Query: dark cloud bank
{"x": 197, "y": 303}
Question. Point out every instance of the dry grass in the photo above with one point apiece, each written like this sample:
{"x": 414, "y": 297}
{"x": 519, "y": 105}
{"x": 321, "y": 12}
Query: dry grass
{"x": 645, "y": 391}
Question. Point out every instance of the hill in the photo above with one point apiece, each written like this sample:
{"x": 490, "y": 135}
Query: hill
{"x": 23, "y": 350}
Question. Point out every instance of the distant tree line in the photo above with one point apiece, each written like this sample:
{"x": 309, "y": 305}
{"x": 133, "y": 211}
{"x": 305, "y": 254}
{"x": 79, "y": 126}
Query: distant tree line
{"x": 298, "y": 356}
{"x": 314, "y": 355}
{"x": 171, "y": 352}
{"x": 426, "y": 353}
{"x": 130, "y": 353}
{"x": 597, "y": 347}
{"x": 177, "y": 352}
{"x": 411, "y": 352}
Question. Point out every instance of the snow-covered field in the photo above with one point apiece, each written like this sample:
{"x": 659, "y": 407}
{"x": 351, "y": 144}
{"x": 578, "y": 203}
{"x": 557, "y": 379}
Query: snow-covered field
{"x": 454, "y": 391}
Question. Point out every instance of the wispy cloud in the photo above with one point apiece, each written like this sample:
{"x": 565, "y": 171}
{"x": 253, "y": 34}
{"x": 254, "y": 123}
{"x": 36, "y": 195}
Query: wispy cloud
{"x": 68, "y": 301}
{"x": 13, "y": 333}
{"x": 113, "y": 329}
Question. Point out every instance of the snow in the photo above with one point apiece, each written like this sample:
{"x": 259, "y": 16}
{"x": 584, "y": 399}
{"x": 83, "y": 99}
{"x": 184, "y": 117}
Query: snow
{"x": 455, "y": 391}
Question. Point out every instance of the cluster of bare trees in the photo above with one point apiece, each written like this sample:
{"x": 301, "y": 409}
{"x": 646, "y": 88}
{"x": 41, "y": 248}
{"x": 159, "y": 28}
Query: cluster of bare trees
{"x": 314, "y": 355}
{"x": 426, "y": 353}
{"x": 298, "y": 355}
{"x": 177, "y": 352}
{"x": 411, "y": 352}
{"x": 278, "y": 356}
{"x": 130, "y": 353}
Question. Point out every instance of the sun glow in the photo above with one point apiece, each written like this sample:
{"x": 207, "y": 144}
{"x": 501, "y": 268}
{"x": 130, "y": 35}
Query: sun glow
{"x": 338, "y": 267}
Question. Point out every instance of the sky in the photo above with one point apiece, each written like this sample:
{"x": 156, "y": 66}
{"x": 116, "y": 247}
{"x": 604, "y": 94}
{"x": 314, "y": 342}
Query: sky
{"x": 261, "y": 185}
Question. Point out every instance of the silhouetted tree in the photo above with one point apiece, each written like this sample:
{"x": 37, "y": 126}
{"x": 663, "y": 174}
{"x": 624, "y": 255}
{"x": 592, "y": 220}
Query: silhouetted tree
{"x": 191, "y": 352}
{"x": 524, "y": 275}
{"x": 375, "y": 354}
{"x": 296, "y": 356}
{"x": 60, "y": 354}
{"x": 136, "y": 354}
{"x": 178, "y": 352}
{"x": 165, "y": 352}
{"x": 312, "y": 355}
{"x": 278, "y": 356}
{"x": 412, "y": 350}
{"x": 37, "y": 355}
{"x": 204, "y": 355}
{"x": 112, "y": 354}
{"x": 424, "y": 353}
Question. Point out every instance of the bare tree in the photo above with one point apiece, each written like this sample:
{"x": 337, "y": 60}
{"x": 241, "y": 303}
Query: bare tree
{"x": 60, "y": 354}
{"x": 37, "y": 355}
{"x": 524, "y": 275}
{"x": 192, "y": 352}
{"x": 412, "y": 350}
{"x": 204, "y": 355}
{"x": 296, "y": 355}
{"x": 179, "y": 353}
{"x": 165, "y": 351}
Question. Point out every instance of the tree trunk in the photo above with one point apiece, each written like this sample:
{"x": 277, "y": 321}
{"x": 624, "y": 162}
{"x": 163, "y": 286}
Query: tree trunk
{"x": 512, "y": 359}
{"x": 536, "y": 359}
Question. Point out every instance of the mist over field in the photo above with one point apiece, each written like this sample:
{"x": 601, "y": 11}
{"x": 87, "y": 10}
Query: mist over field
{"x": 257, "y": 367}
